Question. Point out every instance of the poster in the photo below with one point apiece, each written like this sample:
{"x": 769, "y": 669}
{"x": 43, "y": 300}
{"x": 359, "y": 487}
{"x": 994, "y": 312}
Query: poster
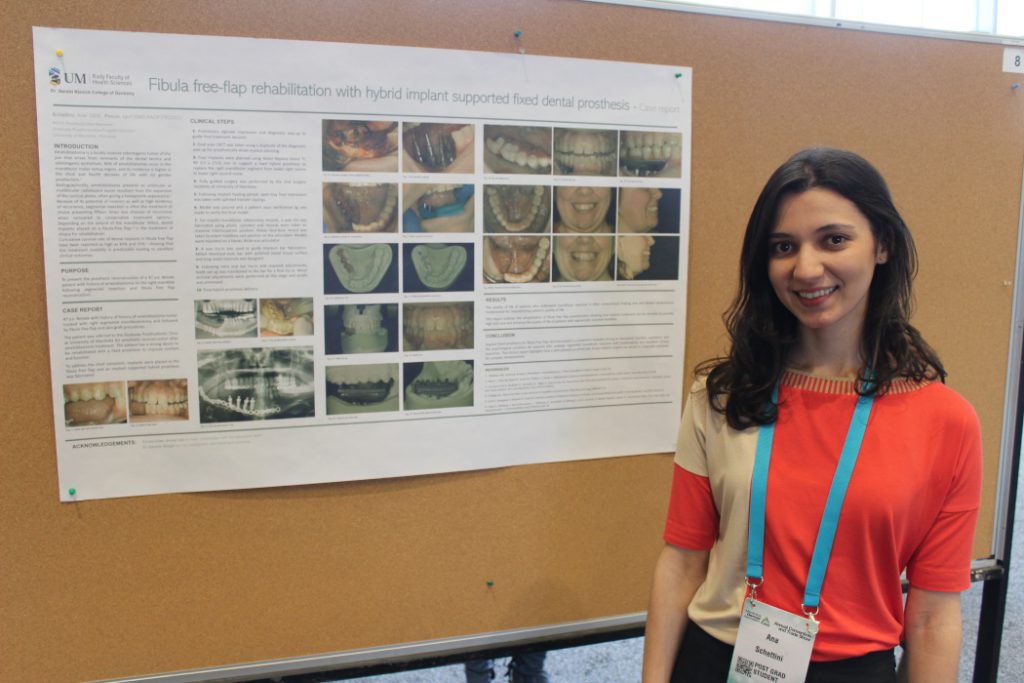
{"x": 278, "y": 262}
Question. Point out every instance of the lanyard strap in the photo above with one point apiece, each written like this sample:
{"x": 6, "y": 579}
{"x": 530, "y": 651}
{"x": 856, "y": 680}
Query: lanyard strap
{"x": 833, "y": 505}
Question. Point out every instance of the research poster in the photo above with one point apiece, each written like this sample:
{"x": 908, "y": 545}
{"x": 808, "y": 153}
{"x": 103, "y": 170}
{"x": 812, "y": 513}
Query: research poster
{"x": 277, "y": 262}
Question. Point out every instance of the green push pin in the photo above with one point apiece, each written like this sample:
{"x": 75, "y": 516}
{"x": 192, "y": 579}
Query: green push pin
{"x": 71, "y": 492}
{"x": 490, "y": 584}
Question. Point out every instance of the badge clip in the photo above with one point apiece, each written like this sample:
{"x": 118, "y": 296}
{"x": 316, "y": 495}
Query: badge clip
{"x": 753, "y": 589}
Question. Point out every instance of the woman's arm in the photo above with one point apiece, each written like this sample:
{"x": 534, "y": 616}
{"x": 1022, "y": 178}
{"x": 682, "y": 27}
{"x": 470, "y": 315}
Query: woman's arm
{"x": 933, "y": 634}
{"x": 677, "y": 575}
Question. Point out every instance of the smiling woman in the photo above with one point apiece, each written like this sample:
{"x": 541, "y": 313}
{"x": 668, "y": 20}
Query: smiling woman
{"x": 822, "y": 259}
{"x": 584, "y": 209}
{"x": 821, "y": 340}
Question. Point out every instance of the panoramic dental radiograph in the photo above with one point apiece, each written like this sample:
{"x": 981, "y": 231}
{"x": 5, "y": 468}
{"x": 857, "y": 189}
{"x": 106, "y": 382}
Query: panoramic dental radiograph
{"x": 516, "y": 259}
{"x": 583, "y": 208}
{"x": 360, "y": 268}
{"x": 158, "y": 400}
{"x": 584, "y": 151}
{"x": 240, "y": 385}
{"x": 438, "y": 384}
{"x": 437, "y": 147}
{"x": 360, "y": 146}
{"x": 517, "y": 208}
{"x": 650, "y": 154}
{"x": 360, "y": 328}
{"x": 582, "y": 257}
{"x": 286, "y": 317}
{"x": 438, "y": 267}
{"x": 362, "y": 388}
{"x": 225, "y": 318}
{"x": 94, "y": 403}
{"x": 437, "y": 208}
{"x": 435, "y": 326}
{"x": 517, "y": 149}
{"x": 360, "y": 207}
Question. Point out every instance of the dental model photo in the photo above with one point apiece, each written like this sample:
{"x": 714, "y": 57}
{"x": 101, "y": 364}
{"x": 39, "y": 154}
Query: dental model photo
{"x": 438, "y": 384}
{"x": 360, "y": 207}
{"x": 437, "y": 267}
{"x": 437, "y": 148}
{"x": 360, "y": 268}
{"x": 585, "y": 151}
{"x": 94, "y": 403}
{"x": 517, "y": 149}
{"x": 650, "y": 155}
{"x": 583, "y": 257}
{"x": 516, "y": 259}
{"x": 437, "y": 208}
{"x": 360, "y": 146}
{"x": 286, "y": 317}
{"x": 360, "y": 328}
{"x": 158, "y": 400}
{"x": 648, "y": 209}
{"x": 362, "y": 388}
{"x": 647, "y": 257}
{"x": 225, "y": 318}
{"x": 435, "y": 326}
{"x": 582, "y": 208}
{"x": 240, "y": 385}
{"x": 517, "y": 208}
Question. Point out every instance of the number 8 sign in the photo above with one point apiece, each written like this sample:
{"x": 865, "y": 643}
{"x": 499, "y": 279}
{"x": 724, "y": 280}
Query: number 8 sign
{"x": 1013, "y": 60}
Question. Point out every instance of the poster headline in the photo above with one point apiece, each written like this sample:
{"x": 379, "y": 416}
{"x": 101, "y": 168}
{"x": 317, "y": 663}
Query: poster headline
{"x": 376, "y": 95}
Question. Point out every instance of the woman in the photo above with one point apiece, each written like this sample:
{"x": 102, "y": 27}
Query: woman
{"x": 633, "y": 255}
{"x": 638, "y": 208}
{"x": 821, "y": 317}
{"x": 583, "y": 257}
{"x": 583, "y": 209}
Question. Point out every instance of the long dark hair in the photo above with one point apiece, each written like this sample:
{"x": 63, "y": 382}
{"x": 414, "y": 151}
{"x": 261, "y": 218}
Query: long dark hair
{"x": 761, "y": 329}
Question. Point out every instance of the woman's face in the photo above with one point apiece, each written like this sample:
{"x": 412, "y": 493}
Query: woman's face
{"x": 583, "y": 257}
{"x": 638, "y": 209}
{"x": 583, "y": 209}
{"x": 822, "y": 256}
{"x": 634, "y": 254}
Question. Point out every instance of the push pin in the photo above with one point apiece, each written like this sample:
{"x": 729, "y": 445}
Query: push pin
{"x": 490, "y": 584}
{"x": 60, "y": 53}
{"x": 679, "y": 74}
{"x": 71, "y": 492}
{"x": 1015, "y": 86}
{"x": 518, "y": 35}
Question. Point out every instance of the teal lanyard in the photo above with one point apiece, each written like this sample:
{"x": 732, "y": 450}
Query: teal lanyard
{"x": 833, "y": 505}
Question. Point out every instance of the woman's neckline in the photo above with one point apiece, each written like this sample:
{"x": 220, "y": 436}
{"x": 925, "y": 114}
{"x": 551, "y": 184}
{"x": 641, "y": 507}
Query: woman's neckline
{"x": 825, "y": 384}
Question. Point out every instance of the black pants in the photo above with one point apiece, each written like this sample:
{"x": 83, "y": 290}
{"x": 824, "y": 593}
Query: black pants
{"x": 703, "y": 659}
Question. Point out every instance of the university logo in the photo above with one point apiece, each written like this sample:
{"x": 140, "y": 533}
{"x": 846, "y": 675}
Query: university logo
{"x": 54, "y": 76}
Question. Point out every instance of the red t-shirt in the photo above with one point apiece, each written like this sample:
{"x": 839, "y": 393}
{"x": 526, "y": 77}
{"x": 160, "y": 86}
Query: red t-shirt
{"x": 912, "y": 504}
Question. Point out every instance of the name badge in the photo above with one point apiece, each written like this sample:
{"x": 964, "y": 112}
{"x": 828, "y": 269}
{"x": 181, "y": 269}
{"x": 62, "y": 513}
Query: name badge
{"x": 772, "y": 645}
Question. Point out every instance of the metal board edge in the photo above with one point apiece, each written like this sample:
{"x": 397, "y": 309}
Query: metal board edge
{"x": 402, "y": 652}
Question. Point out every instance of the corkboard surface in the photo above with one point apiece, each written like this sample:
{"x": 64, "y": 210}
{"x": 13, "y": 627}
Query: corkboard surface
{"x": 142, "y": 585}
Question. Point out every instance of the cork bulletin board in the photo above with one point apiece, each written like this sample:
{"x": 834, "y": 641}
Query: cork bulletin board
{"x": 127, "y": 587}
